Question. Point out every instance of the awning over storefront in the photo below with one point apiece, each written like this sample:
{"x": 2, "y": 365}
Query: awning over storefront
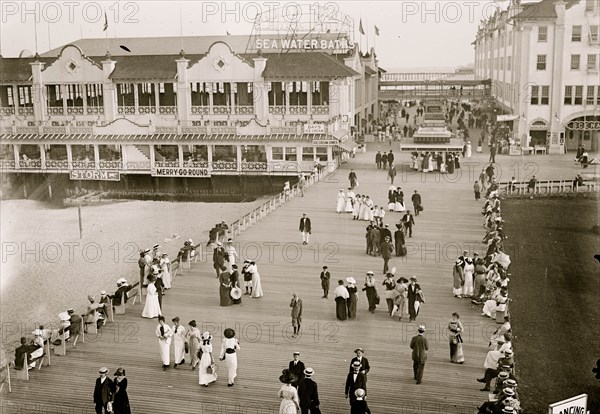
{"x": 348, "y": 145}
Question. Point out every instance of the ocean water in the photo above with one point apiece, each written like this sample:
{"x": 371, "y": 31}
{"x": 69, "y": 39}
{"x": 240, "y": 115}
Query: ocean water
{"x": 46, "y": 268}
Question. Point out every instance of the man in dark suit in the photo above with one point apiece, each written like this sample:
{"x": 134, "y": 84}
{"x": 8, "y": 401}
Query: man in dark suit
{"x": 305, "y": 228}
{"x": 391, "y": 160}
{"x": 412, "y": 297}
{"x": 354, "y": 381}
{"x": 22, "y": 352}
{"x": 408, "y": 221}
{"x": 384, "y": 231}
{"x": 416, "y": 200}
{"x": 419, "y": 346}
{"x": 308, "y": 393}
{"x": 399, "y": 240}
{"x": 296, "y": 367}
{"x": 378, "y": 159}
{"x": 102, "y": 391}
{"x": 363, "y": 361}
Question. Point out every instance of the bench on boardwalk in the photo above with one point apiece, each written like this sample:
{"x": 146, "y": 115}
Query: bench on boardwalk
{"x": 134, "y": 292}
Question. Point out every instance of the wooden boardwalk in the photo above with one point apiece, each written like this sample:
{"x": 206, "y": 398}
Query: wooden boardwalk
{"x": 451, "y": 221}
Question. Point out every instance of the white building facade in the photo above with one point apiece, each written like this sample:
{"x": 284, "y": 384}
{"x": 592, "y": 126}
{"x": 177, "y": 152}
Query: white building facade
{"x": 543, "y": 59}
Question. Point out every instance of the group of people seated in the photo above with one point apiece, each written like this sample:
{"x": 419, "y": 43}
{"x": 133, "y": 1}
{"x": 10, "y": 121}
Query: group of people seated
{"x": 491, "y": 291}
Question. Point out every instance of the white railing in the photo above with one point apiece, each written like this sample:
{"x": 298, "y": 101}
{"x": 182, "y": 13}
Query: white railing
{"x": 283, "y": 130}
{"x": 146, "y": 110}
{"x": 27, "y": 130}
{"x": 193, "y": 130}
{"x": 277, "y": 109}
{"x": 166, "y": 130}
{"x": 110, "y": 165}
{"x": 223, "y": 130}
{"x": 167, "y": 110}
{"x": 202, "y": 110}
{"x": 320, "y": 109}
{"x": 166, "y": 164}
{"x": 26, "y": 110}
{"x": 126, "y": 110}
{"x": 81, "y": 130}
{"x": 95, "y": 110}
{"x": 221, "y": 109}
{"x": 55, "y": 110}
{"x": 244, "y": 110}
{"x": 7, "y": 111}
{"x": 75, "y": 110}
{"x": 548, "y": 187}
{"x": 298, "y": 110}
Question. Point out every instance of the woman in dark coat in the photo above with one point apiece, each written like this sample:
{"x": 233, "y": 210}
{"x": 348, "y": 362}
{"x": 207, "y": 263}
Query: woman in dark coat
{"x": 399, "y": 241}
{"x": 225, "y": 288}
{"x": 120, "y": 400}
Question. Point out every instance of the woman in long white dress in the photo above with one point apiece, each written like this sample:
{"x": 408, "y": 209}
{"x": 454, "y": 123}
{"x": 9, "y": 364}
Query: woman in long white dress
{"x": 206, "y": 361}
{"x": 363, "y": 208}
{"x": 469, "y": 150}
{"x": 341, "y": 202}
{"x": 356, "y": 207}
{"x": 368, "y": 206}
{"x": 165, "y": 266}
{"x": 399, "y": 205}
{"x": 229, "y": 348}
{"x": 257, "y": 291}
{"x": 178, "y": 342}
{"x": 350, "y": 201}
{"x": 164, "y": 334}
{"x": 151, "y": 307}
{"x": 290, "y": 403}
{"x": 468, "y": 275}
{"x": 193, "y": 338}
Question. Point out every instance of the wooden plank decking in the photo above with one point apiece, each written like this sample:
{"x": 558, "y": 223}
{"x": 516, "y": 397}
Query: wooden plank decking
{"x": 451, "y": 221}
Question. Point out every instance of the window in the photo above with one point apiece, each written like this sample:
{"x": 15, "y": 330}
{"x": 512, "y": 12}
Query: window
{"x": 290, "y": 154}
{"x": 589, "y": 5}
{"x": 593, "y": 34}
{"x": 578, "y": 95}
{"x": 535, "y": 90}
{"x": 308, "y": 153}
{"x": 509, "y": 63}
{"x": 575, "y": 62}
{"x": 277, "y": 153}
{"x": 542, "y": 34}
{"x": 541, "y": 62}
{"x": 9, "y": 96}
{"x": 568, "y": 95}
{"x": 576, "y": 34}
{"x": 591, "y": 62}
{"x": 545, "y": 95}
{"x": 322, "y": 154}
{"x": 589, "y": 96}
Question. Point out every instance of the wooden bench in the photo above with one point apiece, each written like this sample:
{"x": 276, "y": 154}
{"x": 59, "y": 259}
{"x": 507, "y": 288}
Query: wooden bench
{"x": 134, "y": 292}
{"x": 539, "y": 148}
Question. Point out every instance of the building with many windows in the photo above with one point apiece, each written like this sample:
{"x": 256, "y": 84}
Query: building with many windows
{"x": 201, "y": 107}
{"x": 542, "y": 59}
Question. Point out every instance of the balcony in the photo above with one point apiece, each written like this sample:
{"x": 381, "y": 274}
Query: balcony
{"x": 7, "y": 111}
{"x": 254, "y": 166}
{"x": 26, "y": 110}
{"x": 84, "y": 165}
{"x": 277, "y": 109}
{"x": 57, "y": 164}
{"x": 166, "y": 164}
{"x": 110, "y": 165}
{"x": 81, "y": 130}
{"x": 166, "y": 130}
{"x": 55, "y": 130}
{"x": 221, "y": 109}
{"x": 200, "y": 110}
{"x": 30, "y": 164}
{"x": 194, "y": 130}
{"x": 75, "y": 110}
{"x": 143, "y": 110}
{"x": 27, "y": 130}
{"x": 196, "y": 164}
{"x": 167, "y": 110}
{"x": 137, "y": 165}
{"x": 223, "y": 130}
{"x": 224, "y": 165}
{"x": 126, "y": 110}
{"x": 95, "y": 110}
{"x": 320, "y": 110}
{"x": 7, "y": 165}
{"x": 57, "y": 110}
{"x": 298, "y": 110}
{"x": 244, "y": 110}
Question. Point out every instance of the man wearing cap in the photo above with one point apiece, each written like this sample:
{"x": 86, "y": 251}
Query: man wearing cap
{"x": 387, "y": 249}
{"x": 296, "y": 367}
{"x": 363, "y": 361}
{"x": 308, "y": 393}
{"x": 24, "y": 352}
{"x": 419, "y": 346}
{"x": 102, "y": 391}
{"x": 296, "y": 305}
{"x": 219, "y": 258}
{"x": 416, "y": 200}
{"x": 354, "y": 381}
{"x": 305, "y": 228}
{"x": 325, "y": 277}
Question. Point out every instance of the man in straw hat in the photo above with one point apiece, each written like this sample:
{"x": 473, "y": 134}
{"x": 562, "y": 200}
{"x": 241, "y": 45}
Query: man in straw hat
{"x": 354, "y": 381}
{"x": 75, "y": 326}
{"x": 296, "y": 305}
{"x": 308, "y": 393}
{"x": 363, "y": 361}
{"x": 103, "y": 391}
{"x": 419, "y": 346}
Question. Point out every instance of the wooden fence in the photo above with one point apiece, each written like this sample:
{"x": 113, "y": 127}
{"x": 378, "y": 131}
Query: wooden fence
{"x": 548, "y": 187}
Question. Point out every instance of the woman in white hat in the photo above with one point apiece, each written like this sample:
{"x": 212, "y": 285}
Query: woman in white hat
{"x": 192, "y": 337}
{"x": 455, "y": 327}
{"x": 165, "y": 266}
{"x": 353, "y": 299}
{"x": 207, "y": 363}
{"x": 341, "y": 202}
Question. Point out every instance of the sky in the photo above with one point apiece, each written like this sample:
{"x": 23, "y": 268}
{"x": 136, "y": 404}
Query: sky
{"x": 412, "y": 34}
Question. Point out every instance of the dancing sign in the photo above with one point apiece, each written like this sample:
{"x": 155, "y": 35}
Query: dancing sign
{"x": 574, "y": 405}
